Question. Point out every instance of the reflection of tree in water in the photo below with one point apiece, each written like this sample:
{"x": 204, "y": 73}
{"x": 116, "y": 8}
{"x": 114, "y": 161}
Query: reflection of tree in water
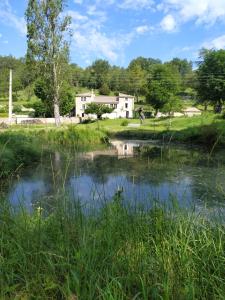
{"x": 157, "y": 165}
{"x": 151, "y": 165}
{"x": 208, "y": 186}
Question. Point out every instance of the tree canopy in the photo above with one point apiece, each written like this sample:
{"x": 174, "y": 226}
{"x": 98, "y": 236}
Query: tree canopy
{"x": 98, "y": 109}
{"x": 211, "y": 78}
{"x": 162, "y": 87}
{"x": 48, "y": 49}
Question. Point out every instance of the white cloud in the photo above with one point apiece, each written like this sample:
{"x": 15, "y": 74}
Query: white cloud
{"x": 90, "y": 40}
{"x": 143, "y": 29}
{"x": 168, "y": 23}
{"x": 217, "y": 43}
{"x": 8, "y": 17}
{"x": 136, "y": 4}
{"x": 98, "y": 44}
{"x": 0, "y": 35}
{"x": 5, "y": 42}
{"x": 201, "y": 11}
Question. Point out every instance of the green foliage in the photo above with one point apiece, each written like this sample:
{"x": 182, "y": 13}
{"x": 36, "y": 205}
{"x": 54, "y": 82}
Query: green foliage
{"x": 17, "y": 108}
{"x": 24, "y": 147}
{"x": 104, "y": 89}
{"x": 98, "y": 109}
{"x": 211, "y": 77}
{"x": 173, "y": 104}
{"x": 40, "y": 109}
{"x": 66, "y": 97}
{"x": 46, "y": 36}
{"x": 162, "y": 87}
{"x": 124, "y": 123}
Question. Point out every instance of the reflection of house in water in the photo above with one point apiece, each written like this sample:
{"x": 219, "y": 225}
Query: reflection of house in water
{"x": 120, "y": 149}
{"x": 124, "y": 148}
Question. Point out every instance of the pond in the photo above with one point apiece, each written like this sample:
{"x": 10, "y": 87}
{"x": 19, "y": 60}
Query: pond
{"x": 140, "y": 171}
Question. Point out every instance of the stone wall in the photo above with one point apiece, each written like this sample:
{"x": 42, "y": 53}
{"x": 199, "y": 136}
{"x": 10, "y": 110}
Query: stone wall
{"x": 24, "y": 120}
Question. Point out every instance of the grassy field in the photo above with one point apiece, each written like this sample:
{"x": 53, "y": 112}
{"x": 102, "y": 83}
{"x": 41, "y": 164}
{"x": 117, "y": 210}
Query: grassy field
{"x": 207, "y": 129}
{"x": 116, "y": 254}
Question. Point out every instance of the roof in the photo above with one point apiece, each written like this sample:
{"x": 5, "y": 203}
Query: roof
{"x": 125, "y": 95}
{"x": 191, "y": 109}
{"x": 84, "y": 95}
{"x": 106, "y": 99}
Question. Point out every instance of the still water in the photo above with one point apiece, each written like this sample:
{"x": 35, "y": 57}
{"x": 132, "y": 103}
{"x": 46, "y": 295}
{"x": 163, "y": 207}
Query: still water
{"x": 141, "y": 171}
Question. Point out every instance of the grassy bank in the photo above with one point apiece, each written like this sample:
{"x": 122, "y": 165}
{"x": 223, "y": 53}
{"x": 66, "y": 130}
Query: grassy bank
{"x": 23, "y": 146}
{"x": 207, "y": 129}
{"x": 115, "y": 254}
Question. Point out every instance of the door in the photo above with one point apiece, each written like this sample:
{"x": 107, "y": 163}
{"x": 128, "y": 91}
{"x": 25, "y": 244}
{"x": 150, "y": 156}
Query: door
{"x": 127, "y": 114}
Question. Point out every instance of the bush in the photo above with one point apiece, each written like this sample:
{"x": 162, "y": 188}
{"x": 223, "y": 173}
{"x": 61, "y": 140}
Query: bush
{"x": 17, "y": 108}
{"x": 3, "y": 109}
{"x": 124, "y": 123}
{"x": 40, "y": 109}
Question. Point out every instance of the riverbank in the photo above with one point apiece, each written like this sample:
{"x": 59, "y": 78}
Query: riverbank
{"x": 207, "y": 130}
{"x": 23, "y": 146}
{"x": 116, "y": 253}
{"x": 20, "y": 145}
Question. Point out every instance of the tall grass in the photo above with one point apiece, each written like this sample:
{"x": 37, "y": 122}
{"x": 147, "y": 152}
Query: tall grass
{"x": 115, "y": 253}
{"x": 23, "y": 147}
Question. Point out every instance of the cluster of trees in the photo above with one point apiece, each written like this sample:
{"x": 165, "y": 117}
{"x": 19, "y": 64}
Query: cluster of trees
{"x": 46, "y": 70}
{"x": 142, "y": 78}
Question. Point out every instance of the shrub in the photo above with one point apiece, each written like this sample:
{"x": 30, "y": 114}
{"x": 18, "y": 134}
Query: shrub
{"x": 17, "y": 108}
{"x": 124, "y": 123}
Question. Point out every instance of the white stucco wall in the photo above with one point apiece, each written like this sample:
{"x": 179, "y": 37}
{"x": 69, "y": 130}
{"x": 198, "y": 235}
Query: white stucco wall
{"x": 125, "y": 107}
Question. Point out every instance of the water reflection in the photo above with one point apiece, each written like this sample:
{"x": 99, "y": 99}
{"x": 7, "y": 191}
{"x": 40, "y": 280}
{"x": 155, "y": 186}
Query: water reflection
{"x": 142, "y": 170}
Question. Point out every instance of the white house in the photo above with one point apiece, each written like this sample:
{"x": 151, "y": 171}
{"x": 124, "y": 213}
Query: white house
{"x": 123, "y": 104}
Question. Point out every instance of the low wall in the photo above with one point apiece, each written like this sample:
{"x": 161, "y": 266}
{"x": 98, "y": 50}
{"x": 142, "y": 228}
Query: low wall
{"x": 24, "y": 120}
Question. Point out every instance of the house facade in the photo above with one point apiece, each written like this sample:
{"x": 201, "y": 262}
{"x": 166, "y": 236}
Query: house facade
{"x": 123, "y": 105}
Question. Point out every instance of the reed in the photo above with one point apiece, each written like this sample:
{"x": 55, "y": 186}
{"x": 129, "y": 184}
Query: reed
{"x": 113, "y": 253}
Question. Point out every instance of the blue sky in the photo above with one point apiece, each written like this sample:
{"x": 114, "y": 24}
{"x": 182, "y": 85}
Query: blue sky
{"x": 120, "y": 30}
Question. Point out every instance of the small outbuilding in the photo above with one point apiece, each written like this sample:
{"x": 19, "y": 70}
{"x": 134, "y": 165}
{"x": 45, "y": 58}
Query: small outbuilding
{"x": 192, "y": 111}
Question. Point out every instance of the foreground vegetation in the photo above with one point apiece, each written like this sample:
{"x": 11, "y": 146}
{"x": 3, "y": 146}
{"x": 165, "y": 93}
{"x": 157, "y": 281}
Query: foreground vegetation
{"x": 23, "y": 146}
{"x": 20, "y": 146}
{"x": 115, "y": 253}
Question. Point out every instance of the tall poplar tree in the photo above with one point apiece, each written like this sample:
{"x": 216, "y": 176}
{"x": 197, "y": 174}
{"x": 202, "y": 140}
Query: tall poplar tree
{"x": 48, "y": 48}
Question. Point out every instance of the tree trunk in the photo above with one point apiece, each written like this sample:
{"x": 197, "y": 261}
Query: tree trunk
{"x": 56, "y": 97}
{"x": 56, "y": 113}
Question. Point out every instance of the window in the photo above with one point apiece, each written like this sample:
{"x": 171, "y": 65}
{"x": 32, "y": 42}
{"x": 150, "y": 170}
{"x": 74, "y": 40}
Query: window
{"x": 126, "y": 105}
{"x": 126, "y": 99}
{"x": 83, "y": 106}
{"x": 83, "y": 98}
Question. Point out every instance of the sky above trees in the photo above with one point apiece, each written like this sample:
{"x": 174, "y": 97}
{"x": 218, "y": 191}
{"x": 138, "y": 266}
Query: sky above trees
{"x": 120, "y": 30}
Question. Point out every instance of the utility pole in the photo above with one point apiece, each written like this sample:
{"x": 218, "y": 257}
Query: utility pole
{"x": 10, "y": 96}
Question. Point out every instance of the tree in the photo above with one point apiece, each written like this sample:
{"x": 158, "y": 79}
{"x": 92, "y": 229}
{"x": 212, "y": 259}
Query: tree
{"x": 100, "y": 70}
{"x": 137, "y": 80}
{"x": 104, "y": 89}
{"x": 173, "y": 104}
{"x": 47, "y": 46}
{"x": 162, "y": 86}
{"x": 98, "y": 109}
{"x": 211, "y": 78}
{"x": 66, "y": 96}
